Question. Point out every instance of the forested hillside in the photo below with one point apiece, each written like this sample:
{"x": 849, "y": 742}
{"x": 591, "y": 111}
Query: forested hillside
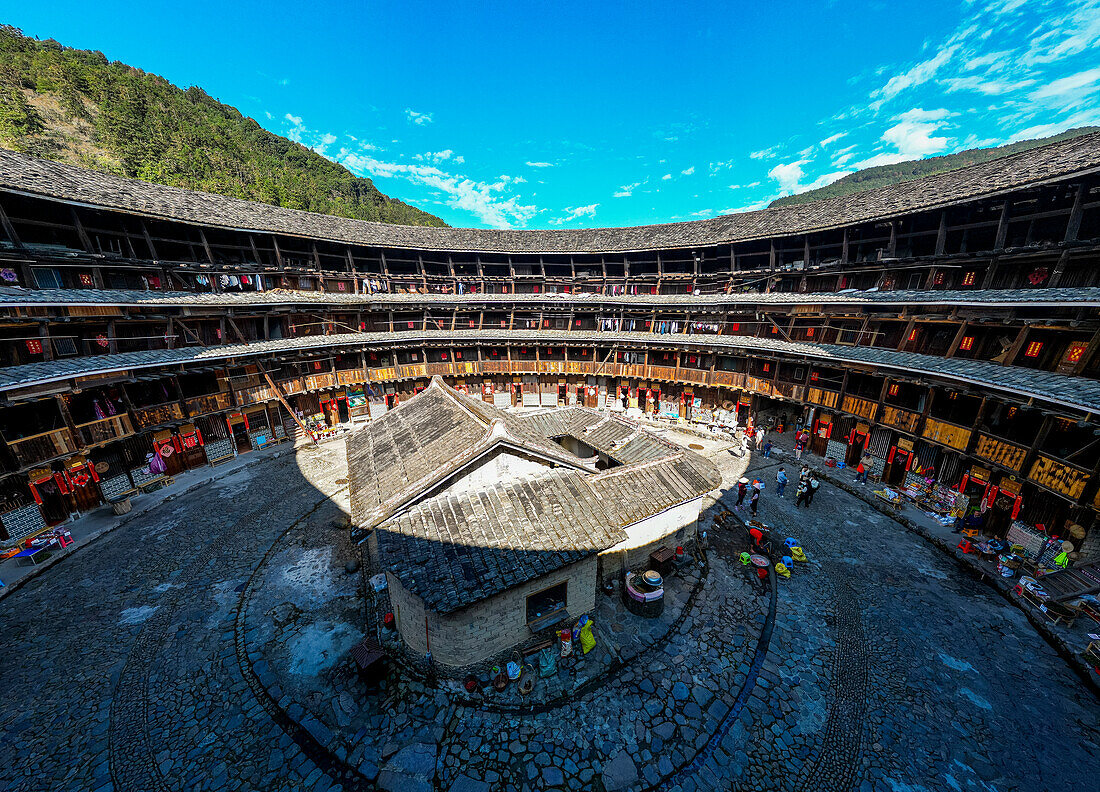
{"x": 74, "y": 106}
{"x": 884, "y": 175}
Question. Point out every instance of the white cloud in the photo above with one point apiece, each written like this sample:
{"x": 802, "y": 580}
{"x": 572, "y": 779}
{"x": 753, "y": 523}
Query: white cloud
{"x": 417, "y": 118}
{"x": 913, "y": 134}
{"x": 688, "y": 171}
{"x": 1071, "y": 91}
{"x": 832, "y": 139}
{"x": 460, "y": 160}
{"x": 721, "y": 165}
{"x": 916, "y": 75}
{"x": 985, "y": 85}
{"x": 326, "y": 140}
{"x": 628, "y": 189}
{"x": 296, "y": 120}
{"x": 767, "y": 153}
{"x": 540, "y": 164}
{"x": 744, "y": 186}
{"x": 666, "y": 177}
{"x": 787, "y": 175}
{"x": 483, "y": 200}
{"x": 575, "y": 212}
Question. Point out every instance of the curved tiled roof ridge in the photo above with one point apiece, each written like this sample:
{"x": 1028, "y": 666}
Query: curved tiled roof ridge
{"x": 1070, "y": 391}
{"x": 15, "y": 296}
{"x": 31, "y": 175}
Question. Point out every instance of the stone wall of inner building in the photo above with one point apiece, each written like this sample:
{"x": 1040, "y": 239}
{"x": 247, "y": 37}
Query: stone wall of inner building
{"x": 488, "y": 628}
{"x": 672, "y": 527}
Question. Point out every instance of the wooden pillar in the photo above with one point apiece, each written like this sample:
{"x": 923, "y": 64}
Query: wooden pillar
{"x": 85, "y": 240}
{"x": 959, "y": 335}
{"x": 941, "y": 235}
{"x": 844, "y": 248}
{"x": 906, "y": 333}
{"x": 892, "y": 248}
{"x": 44, "y": 337}
{"x": 1017, "y": 345}
{"x": 1073, "y": 224}
{"x": 1002, "y": 228}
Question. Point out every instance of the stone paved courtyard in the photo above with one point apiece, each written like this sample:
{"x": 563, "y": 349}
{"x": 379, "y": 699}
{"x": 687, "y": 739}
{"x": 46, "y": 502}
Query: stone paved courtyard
{"x": 204, "y": 646}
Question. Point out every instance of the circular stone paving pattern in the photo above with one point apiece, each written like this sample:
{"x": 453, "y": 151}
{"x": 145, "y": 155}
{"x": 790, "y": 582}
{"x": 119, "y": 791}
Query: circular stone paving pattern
{"x": 204, "y": 646}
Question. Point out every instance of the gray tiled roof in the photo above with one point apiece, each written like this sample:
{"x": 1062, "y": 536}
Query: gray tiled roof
{"x": 17, "y": 297}
{"x": 1061, "y": 389}
{"x": 406, "y": 452}
{"x": 453, "y": 548}
{"x": 23, "y": 173}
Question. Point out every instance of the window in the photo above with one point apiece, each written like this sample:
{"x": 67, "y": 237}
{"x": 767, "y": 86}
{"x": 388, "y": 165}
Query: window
{"x": 970, "y": 278}
{"x": 893, "y": 390}
{"x": 809, "y": 332}
{"x": 46, "y": 278}
{"x": 548, "y": 601}
{"x": 913, "y": 334}
{"x": 767, "y": 367}
{"x": 813, "y": 376}
{"x": 736, "y": 326}
{"x": 967, "y": 343}
{"x": 1033, "y": 349}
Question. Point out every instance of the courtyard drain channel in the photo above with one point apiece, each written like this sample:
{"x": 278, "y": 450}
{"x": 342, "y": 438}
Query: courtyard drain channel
{"x": 762, "y": 644}
{"x": 835, "y": 768}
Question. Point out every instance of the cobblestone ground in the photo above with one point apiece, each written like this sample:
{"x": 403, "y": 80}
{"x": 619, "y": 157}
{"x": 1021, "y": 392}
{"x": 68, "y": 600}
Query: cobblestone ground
{"x": 204, "y": 647}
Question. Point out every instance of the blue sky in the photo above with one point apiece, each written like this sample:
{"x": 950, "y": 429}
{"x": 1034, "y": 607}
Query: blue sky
{"x": 529, "y": 115}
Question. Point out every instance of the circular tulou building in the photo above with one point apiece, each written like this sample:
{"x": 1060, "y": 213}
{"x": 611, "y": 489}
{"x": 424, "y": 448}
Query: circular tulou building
{"x": 943, "y": 329}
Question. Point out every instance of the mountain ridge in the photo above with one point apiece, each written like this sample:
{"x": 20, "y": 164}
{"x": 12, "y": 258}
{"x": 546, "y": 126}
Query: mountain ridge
{"x": 75, "y": 106}
{"x": 885, "y": 175}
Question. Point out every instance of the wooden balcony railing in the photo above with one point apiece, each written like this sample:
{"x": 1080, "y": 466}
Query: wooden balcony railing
{"x": 905, "y": 420}
{"x": 351, "y": 376}
{"x": 40, "y": 447}
{"x": 320, "y": 381}
{"x": 864, "y": 408}
{"x": 1059, "y": 476}
{"x": 1002, "y": 452}
{"x": 104, "y": 430}
{"x": 826, "y": 398}
{"x": 159, "y": 414}
{"x": 207, "y": 404}
{"x": 947, "y": 434}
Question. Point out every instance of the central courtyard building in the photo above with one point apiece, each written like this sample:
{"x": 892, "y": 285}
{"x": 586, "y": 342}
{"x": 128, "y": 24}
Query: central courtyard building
{"x": 492, "y": 527}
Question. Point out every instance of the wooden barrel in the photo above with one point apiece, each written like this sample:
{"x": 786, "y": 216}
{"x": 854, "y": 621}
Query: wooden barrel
{"x": 121, "y": 506}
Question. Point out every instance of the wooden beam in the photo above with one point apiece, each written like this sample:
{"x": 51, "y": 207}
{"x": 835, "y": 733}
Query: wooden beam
{"x": 1073, "y": 224}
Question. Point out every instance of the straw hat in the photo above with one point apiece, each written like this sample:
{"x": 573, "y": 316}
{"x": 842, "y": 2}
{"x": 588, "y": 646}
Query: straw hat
{"x": 742, "y": 480}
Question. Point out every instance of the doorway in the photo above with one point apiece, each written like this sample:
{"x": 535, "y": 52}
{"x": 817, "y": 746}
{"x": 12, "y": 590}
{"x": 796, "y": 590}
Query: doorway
{"x": 241, "y": 438}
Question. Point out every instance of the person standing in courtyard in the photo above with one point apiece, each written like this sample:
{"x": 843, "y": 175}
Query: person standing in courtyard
{"x": 814, "y": 486}
{"x": 799, "y": 444}
{"x": 767, "y": 449}
{"x": 755, "y": 500}
{"x": 742, "y": 490}
{"x": 780, "y": 482}
{"x": 802, "y": 494}
{"x": 861, "y": 472}
{"x": 759, "y": 439}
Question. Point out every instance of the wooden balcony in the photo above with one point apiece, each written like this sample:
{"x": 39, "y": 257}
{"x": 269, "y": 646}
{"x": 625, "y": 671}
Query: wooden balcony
{"x": 905, "y": 420}
{"x": 158, "y": 414}
{"x": 40, "y": 447}
{"x": 947, "y": 434}
{"x": 320, "y": 381}
{"x": 351, "y": 376}
{"x": 826, "y": 398}
{"x": 104, "y": 430}
{"x": 207, "y": 404}
{"x": 1006, "y": 454}
{"x": 257, "y": 395}
{"x": 1062, "y": 477}
{"x": 864, "y": 408}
